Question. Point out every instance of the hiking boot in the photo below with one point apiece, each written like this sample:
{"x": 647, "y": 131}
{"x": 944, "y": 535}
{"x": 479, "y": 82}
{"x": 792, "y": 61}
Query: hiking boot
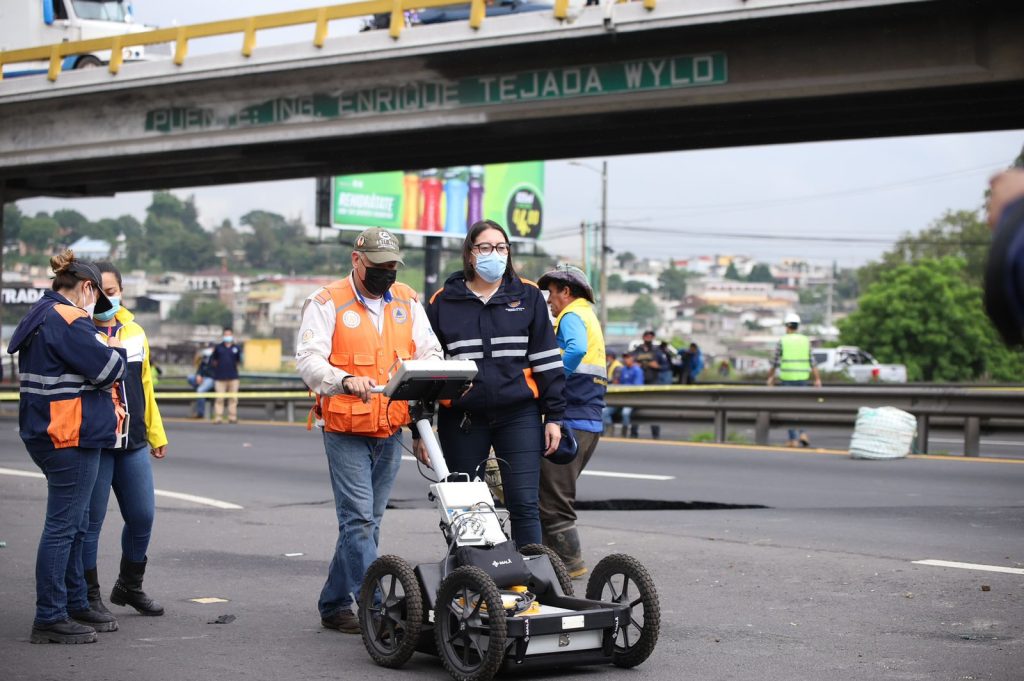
{"x": 579, "y": 572}
{"x": 128, "y": 589}
{"x": 63, "y": 631}
{"x": 344, "y": 621}
{"x": 100, "y": 621}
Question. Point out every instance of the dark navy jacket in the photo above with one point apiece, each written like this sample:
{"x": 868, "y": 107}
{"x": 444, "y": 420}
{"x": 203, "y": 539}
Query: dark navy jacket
{"x": 510, "y": 338}
{"x": 67, "y": 373}
{"x": 225, "y": 361}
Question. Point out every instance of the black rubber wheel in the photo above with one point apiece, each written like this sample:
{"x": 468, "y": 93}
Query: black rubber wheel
{"x": 564, "y": 580}
{"x": 469, "y": 624}
{"x": 390, "y": 611}
{"x": 619, "y": 578}
{"x": 88, "y": 62}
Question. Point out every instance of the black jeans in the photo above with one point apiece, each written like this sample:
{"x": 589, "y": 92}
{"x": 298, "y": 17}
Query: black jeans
{"x": 517, "y": 436}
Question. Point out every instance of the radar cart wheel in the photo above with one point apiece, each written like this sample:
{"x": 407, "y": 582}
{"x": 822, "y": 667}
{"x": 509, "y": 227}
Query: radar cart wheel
{"x": 470, "y": 626}
{"x": 564, "y": 580}
{"x": 619, "y": 578}
{"x": 390, "y": 611}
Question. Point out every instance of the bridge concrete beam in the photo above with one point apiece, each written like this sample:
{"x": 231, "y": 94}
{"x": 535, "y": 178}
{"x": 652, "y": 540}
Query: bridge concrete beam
{"x": 867, "y": 69}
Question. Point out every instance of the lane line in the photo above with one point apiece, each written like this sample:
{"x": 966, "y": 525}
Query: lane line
{"x": 601, "y": 474}
{"x": 204, "y": 501}
{"x": 970, "y": 566}
{"x": 985, "y": 441}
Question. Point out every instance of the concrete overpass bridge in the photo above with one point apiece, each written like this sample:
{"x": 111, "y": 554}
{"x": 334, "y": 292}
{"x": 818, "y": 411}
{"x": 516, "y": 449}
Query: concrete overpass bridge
{"x": 642, "y": 77}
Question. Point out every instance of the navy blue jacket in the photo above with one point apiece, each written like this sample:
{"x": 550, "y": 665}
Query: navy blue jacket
{"x": 225, "y": 360}
{"x": 510, "y": 338}
{"x": 67, "y": 372}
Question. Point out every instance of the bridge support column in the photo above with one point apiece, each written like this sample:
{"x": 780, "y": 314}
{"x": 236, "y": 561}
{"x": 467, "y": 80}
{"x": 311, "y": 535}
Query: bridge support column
{"x": 762, "y": 426}
{"x": 721, "y": 423}
{"x": 972, "y": 436}
{"x": 431, "y": 266}
{"x": 922, "y": 434}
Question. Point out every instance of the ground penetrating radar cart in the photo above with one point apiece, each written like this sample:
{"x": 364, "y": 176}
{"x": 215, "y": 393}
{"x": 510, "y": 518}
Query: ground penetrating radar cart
{"x": 487, "y": 606}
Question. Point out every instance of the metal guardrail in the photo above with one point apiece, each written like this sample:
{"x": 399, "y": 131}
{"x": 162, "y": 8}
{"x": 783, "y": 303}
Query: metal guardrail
{"x": 970, "y": 404}
{"x": 180, "y": 35}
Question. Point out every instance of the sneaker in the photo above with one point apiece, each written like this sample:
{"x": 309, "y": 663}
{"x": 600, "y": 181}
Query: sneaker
{"x": 63, "y": 631}
{"x": 94, "y": 618}
{"x": 344, "y": 621}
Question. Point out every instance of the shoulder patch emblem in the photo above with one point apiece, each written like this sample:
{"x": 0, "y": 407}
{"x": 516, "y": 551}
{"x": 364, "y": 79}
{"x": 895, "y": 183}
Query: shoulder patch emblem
{"x": 307, "y": 335}
{"x": 351, "y": 319}
{"x": 322, "y": 297}
{"x": 400, "y": 315}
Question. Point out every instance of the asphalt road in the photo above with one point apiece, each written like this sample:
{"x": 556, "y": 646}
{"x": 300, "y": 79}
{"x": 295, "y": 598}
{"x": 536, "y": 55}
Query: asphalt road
{"x": 818, "y": 583}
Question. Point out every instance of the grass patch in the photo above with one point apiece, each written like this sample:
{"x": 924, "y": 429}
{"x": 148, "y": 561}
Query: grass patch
{"x": 731, "y": 437}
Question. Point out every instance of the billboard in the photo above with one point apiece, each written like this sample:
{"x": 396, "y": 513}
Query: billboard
{"x": 444, "y": 201}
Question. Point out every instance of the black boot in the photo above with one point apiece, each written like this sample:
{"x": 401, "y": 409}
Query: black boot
{"x": 128, "y": 589}
{"x": 655, "y": 432}
{"x": 100, "y": 621}
{"x": 634, "y": 431}
{"x": 95, "y": 599}
{"x": 566, "y": 543}
{"x": 64, "y": 631}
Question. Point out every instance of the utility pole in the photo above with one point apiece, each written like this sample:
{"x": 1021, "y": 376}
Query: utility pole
{"x": 828, "y": 299}
{"x": 604, "y": 245}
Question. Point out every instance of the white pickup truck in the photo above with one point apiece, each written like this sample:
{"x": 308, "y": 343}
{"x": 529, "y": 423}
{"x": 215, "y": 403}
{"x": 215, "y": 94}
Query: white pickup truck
{"x": 858, "y": 365}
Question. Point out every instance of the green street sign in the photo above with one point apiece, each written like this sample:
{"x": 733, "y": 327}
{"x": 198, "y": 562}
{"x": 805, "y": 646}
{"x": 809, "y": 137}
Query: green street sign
{"x": 595, "y": 80}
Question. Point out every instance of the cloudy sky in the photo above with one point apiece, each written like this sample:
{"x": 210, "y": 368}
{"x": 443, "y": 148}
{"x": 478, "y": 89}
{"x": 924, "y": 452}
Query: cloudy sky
{"x": 767, "y": 202}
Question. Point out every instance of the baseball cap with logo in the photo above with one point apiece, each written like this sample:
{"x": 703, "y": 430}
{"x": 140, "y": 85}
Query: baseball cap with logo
{"x": 89, "y": 272}
{"x": 379, "y": 246}
{"x": 568, "y": 274}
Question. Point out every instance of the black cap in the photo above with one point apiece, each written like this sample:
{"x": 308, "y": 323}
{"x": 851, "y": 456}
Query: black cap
{"x": 567, "y": 448}
{"x": 86, "y": 271}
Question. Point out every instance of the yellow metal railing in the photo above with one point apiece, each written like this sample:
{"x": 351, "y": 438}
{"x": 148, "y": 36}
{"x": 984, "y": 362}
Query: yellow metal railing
{"x": 181, "y": 35}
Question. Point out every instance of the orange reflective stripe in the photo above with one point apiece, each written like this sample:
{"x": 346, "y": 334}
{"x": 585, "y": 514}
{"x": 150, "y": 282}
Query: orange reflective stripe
{"x": 69, "y": 312}
{"x": 530, "y": 383}
{"x": 436, "y": 294}
{"x": 65, "y": 422}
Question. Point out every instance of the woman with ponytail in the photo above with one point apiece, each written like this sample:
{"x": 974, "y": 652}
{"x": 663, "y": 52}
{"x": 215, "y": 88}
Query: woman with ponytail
{"x": 67, "y": 414}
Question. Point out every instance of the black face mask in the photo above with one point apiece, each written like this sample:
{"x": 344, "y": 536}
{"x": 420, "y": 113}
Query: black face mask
{"x": 378, "y": 280}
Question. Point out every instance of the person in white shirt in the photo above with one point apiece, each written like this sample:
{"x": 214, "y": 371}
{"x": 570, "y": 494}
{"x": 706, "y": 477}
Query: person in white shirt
{"x": 353, "y": 332}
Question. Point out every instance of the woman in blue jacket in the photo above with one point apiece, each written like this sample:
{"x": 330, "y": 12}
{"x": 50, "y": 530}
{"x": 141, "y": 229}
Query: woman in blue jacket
{"x": 486, "y": 313}
{"x": 66, "y": 414}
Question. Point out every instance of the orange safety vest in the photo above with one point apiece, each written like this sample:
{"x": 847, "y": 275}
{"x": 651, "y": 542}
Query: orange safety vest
{"x": 358, "y": 349}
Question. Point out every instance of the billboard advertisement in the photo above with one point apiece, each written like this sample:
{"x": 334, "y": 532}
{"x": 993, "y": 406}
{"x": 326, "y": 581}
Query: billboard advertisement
{"x": 444, "y": 201}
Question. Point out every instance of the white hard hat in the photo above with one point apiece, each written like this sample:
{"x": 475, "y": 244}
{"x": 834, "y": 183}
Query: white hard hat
{"x": 792, "y": 318}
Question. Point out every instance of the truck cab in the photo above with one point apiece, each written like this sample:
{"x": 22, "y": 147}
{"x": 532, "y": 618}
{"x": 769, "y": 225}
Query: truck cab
{"x": 33, "y": 23}
{"x": 858, "y": 364}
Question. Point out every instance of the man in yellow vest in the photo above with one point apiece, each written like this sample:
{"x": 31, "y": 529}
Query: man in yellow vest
{"x": 794, "y": 366}
{"x": 353, "y": 332}
{"x": 579, "y": 336}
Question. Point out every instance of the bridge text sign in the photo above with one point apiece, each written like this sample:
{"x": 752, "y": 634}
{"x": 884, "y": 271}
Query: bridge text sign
{"x": 614, "y": 78}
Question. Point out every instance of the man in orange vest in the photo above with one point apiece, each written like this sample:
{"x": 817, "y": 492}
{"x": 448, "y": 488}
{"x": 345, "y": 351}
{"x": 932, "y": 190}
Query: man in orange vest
{"x": 353, "y": 332}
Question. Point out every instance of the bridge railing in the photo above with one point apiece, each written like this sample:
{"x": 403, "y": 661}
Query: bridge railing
{"x": 318, "y": 17}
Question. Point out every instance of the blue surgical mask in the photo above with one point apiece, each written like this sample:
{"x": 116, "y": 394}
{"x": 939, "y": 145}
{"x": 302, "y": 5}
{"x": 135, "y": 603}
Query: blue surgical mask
{"x": 229, "y": 339}
{"x": 491, "y": 266}
{"x": 115, "y": 305}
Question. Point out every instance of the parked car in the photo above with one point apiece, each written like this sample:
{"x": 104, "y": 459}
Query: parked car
{"x": 858, "y": 365}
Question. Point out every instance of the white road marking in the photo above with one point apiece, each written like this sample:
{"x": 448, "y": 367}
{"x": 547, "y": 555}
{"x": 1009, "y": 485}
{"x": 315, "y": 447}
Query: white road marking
{"x": 205, "y": 501}
{"x": 604, "y": 474}
{"x": 970, "y": 566}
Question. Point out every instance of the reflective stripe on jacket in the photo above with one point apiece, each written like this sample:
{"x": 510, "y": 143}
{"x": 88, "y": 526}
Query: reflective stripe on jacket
{"x": 145, "y": 424}
{"x": 795, "y": 364}
{"x": 358, "y": 349}
{"x": 67, "y": 373}
{"x": 586, "y": 385}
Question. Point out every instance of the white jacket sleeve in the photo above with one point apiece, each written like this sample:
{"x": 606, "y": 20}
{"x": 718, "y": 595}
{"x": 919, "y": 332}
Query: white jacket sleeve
{"x": 313, "y": 347}
{"x": 427, "y": 344}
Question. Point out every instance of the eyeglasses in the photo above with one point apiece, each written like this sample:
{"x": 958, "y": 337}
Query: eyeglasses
{"x": 487, "y": 249}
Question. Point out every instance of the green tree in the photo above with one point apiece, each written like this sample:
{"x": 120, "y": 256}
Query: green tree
{"x": 13, "y": 218}
{"x": 213, "y": 313}
{"x": 39, "y": 233}
{"x": 634, "y": 286}
{"x": 644, "y": 310}
{"x": 615, "y": 282}
{"x": 673, "y": 282}
{"x": 928, "y": 316}
{"x": 74, "y": 224}
{"x": 625, "y": 259}
{"x": 174, "y": 238}
{"x": 960, "y": 234}
{"x": 731, "y": 273}
{"x": 761, "y": 273}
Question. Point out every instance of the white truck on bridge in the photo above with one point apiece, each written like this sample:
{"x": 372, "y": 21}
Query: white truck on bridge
{"x": 32, "y": 23}
{"x": 858, "y": 365}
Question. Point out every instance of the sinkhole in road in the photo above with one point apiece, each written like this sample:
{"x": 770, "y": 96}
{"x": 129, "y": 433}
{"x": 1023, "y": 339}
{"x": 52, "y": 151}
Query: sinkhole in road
{"x": 658, "y": 505}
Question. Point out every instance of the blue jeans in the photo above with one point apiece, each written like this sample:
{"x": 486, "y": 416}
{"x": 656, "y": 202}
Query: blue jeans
{"x": 60, "y": 579}
{"x": 205, "y": 385}
{"x": 517, "y": 436}
{"x": 665, "y": 377}
{"x": 609, "y": 413}
{"x": 131, "y": 476}
{"x": 795, "y": 433}
{"x": 363, "y": 470}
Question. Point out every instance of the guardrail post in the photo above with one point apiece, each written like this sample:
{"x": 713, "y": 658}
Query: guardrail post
{"x": 762, "y": 426}
{"x": 922, "y": 434}
{"x": 721, "y": 422}
{"x": 289, "y": 408}
{"x": 972, "y": 436}
{"x": 271, "y": 410}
